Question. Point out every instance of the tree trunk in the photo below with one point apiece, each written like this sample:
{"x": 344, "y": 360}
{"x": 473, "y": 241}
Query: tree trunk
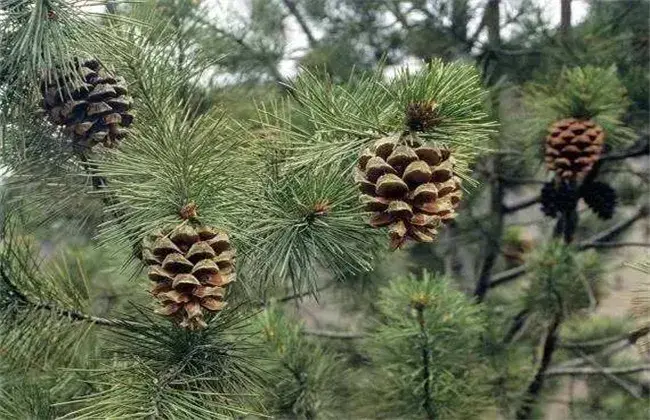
{"x": 493, "y": 240}
{"x": 492, "y": 22}
{"x": 565, "y": 18}
{"x": 459, "y": 20}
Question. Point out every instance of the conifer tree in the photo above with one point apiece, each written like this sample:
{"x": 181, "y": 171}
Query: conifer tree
{"x": 153, "y": 240}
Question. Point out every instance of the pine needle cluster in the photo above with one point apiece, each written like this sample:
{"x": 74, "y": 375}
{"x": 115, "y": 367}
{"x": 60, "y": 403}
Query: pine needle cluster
{"x": 429, "y": 352}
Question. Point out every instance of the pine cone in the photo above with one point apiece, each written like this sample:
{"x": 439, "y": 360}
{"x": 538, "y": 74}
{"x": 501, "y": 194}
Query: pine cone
{"x": 573, "y": 146}
{"x": 411, "y": 188}
{"x": 558, "y": 196}
{"x": 190, "y": 268}
{"x": 601, "y": 199}
{"x": 549, "y": 200}
{"x": 89, "y": 102}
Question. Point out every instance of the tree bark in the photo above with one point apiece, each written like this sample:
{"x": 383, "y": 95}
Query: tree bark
{"x": 493, "y": 240}
{"x": 535, "y": 387}
{"x": 459, "y": 20}
{"x": 492, "y": 22}
{"x": 565, "y": 18}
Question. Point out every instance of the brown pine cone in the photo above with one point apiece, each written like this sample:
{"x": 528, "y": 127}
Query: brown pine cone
{"x": 410, "y": 187}
{"x": 92, "y": 104}
{"x": 190, "y": 268}
{"x": 573, "y": 146}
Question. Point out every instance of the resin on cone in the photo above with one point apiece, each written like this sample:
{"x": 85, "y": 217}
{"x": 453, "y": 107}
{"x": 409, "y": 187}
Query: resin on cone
{"x": 90, "y": 103}
{"x": 190, "y": 268}
{"x": 573, "y": 146}
{"x": 410, "y": 187}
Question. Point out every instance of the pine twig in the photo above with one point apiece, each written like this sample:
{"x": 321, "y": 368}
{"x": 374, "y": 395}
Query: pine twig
{"x": 513, "y": 273}
{"x": 518, "y": 324}
{"x": 636, "y": 392}
{"x": 631, "y": 337}
{"x": 604, "y": 353}
{"x": 618, "y": 244}
{"x": 72, "y": 314}
{"x": 291, "y": 5}
{"x": 522, "y": 204}
{"x": 641, "y": 148}
{"x": 608, "y": 234}
{"x": 341, "y": 335}
{"x": 597, "y": 371}
{"x": 308, "y": 293}
{"x": 426, "y": 374}
{"x": 535, "y": 387}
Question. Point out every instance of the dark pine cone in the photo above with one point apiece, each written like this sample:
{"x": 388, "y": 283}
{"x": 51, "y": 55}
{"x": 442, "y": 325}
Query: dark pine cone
{"x": 601, "y": 199}
{"x": 558, "y": 197}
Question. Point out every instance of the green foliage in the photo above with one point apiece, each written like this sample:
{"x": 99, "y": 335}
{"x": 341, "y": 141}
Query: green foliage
{"x": 305, "y": 377}
{"x": 428, "y": 353}
{"x": 578, "y": 329}
{"x": 156, "y": 369}
{"x": 26, "y": 401}
{"x": 342, "y": 119}
{"x": 585, "y": 93}
{"x": 37, "y": 333}
{"x": 306, "y": 222}
{"x": 562, "y": 282}
{"x": 37, "y": 34}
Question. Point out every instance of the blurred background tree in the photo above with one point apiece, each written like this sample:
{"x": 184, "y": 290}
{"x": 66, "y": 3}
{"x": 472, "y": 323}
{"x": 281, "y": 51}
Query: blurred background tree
{"x": 312, "y": 339}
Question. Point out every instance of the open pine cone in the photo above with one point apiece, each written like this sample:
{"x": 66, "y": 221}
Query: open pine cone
{"x": 89, "y": 102}
{"x": 190, "y": 268}
{"x": 410, "y": 187}
{"x": 573, "y": 146}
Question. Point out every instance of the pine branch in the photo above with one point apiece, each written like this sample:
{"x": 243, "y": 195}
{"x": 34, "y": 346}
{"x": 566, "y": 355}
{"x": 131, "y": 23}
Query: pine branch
{"x": 426, "y": 375}
{"x": 597, "y": 371}
{"x": 523, "y": 204}
{"x": 71, "y": 314}
{"x": 493, "y": 241}
{"x": 269, "y": 64}
{"x": 518, "y": 324}
{"x": 308, "y": 293}
{"x": 604, "y": 353}
{"x": 618, "y": 244}
{"x": 342, "y": 335}
{"x": 513, "y": 273}
{"x": 614, "y": 230}
{"x": 636, "y": 392}
{"x": 535, "y": 387}
{"x": 642, "y": 147}
{"x": 631, "y": 337}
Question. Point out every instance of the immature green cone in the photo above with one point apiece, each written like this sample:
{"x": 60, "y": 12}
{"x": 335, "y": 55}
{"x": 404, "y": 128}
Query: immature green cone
{"x": 190, "y": 268}
{"x": 90, "y": 103}
{"x": 573, "y": 146}
{"x": 410, "y": 187}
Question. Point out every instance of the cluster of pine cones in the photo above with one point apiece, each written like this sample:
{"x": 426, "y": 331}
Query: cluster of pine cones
{"x": 573, "y": 146}
{"x": 190, "y": 265}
